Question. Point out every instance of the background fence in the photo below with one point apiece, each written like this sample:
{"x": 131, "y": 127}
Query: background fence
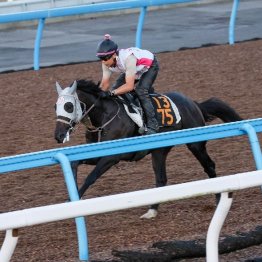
{"x": 143, "y": 5}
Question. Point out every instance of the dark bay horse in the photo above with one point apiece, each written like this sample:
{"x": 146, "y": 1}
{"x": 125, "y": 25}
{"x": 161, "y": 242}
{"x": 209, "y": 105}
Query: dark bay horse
{"x": 106, "y": 119}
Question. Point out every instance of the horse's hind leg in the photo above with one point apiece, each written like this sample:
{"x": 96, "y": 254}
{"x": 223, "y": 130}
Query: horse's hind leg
{"x": 200, "y": 152}
{"x": 159, "y": 165}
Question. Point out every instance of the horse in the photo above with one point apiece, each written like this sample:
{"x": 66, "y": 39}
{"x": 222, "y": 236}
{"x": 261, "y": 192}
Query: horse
{"x": 106, "y": 119}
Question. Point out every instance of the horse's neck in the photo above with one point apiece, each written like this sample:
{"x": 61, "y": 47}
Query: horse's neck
{"x": 94, "y": 108}
{"x": 87, "y": 99}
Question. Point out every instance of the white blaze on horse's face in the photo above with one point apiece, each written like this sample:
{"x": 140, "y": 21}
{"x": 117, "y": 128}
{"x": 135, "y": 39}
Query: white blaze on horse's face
{"x": 68, "y": 108}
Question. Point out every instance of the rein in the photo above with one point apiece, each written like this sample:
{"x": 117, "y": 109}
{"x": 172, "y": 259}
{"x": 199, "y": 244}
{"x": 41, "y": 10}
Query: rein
{"x": 100, "y": 129}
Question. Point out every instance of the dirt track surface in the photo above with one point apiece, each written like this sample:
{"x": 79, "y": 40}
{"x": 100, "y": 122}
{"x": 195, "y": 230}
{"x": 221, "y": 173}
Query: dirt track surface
{"x": 232, "y": 73}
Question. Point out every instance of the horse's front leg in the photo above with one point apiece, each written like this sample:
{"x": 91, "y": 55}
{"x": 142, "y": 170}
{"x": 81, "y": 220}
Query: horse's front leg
{"x": 102, "y": 166}
{"x": 74, "y": 166}
{"x": 159, "y": 165}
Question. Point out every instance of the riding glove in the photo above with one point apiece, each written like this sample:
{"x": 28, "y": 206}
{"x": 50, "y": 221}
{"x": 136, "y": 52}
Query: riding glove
{"x": 105, "y": 94}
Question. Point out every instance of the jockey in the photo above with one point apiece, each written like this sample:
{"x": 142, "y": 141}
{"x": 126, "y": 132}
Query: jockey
{"x": 136, "y": 66}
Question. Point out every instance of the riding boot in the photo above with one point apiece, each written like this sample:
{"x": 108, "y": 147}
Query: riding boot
{"x": 151, "y": 121}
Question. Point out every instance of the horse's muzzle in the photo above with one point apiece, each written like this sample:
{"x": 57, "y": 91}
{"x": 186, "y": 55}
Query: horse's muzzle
{"x": 59, "y": 138}
{"x": 60, "y": 132}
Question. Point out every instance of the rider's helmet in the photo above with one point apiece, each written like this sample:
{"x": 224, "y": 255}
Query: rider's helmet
{"x": 106, "y": 48}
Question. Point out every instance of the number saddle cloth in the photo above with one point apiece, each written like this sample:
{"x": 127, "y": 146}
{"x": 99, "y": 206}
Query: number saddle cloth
{"x": 166, "y": 111}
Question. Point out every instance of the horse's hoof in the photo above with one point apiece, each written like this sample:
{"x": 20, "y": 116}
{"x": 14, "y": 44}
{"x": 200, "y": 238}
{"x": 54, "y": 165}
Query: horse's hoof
{"x": 151, "y": 213}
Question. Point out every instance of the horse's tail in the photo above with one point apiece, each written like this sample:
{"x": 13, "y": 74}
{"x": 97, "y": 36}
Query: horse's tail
{"x": 214, "y": 107}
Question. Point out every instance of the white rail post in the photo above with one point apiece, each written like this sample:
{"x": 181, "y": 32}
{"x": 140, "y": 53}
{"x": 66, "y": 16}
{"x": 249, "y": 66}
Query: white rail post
{"x": 216, "y": 225}
{"x": 9, "y": 245}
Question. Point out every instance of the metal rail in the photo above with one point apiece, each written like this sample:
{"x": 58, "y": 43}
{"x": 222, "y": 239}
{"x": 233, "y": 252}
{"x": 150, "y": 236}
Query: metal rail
{"x": 46, "y": 158}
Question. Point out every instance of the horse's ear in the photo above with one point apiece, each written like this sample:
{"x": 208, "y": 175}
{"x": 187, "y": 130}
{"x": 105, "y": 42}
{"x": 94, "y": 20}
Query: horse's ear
{"x": 58, "y": 88}
{"x": 73, "y": 87}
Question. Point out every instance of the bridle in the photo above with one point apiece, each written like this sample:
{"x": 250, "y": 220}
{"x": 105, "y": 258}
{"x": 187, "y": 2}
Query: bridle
{"x": 83, "y": 116}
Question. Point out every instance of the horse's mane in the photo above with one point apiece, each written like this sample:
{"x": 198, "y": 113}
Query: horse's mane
{"x": 88, "y": 86}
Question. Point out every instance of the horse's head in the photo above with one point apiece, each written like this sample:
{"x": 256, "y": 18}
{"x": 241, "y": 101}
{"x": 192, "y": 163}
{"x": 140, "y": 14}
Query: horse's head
{"x": 68, "y": 111}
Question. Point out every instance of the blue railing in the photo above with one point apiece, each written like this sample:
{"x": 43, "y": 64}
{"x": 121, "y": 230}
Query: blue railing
{"x": 65, "y": 155}
{"x": 46, "y": 158}
{"x": 42, "y": 15}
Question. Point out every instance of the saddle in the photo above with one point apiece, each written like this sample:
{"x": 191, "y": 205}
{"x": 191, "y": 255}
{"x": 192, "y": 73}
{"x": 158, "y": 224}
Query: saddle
{"x": 166, "y": 111}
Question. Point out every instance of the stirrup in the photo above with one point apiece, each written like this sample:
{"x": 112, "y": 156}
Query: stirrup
{"x": 142, "y": 130}
{"x": 150, "y": 131}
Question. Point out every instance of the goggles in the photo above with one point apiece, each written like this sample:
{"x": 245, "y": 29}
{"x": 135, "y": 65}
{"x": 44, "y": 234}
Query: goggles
{"x": 105, "y": 58}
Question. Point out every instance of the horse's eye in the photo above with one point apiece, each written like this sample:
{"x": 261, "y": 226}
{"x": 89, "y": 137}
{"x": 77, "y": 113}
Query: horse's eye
{"x": 69, "y": 108}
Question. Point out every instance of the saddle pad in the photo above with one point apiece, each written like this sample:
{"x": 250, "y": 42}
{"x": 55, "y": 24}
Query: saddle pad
{"x": 166, "y": 111}
{"x": 135, "y": 116}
